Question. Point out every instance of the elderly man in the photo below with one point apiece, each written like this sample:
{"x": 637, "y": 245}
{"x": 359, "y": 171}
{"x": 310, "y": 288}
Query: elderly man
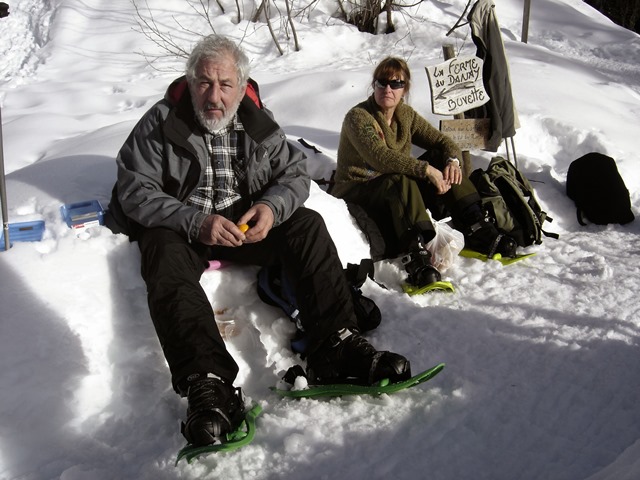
{"x": 203, "y": 161}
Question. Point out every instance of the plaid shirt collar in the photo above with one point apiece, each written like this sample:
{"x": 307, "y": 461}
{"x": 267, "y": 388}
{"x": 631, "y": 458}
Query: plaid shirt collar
{"x": 220, "y": 189}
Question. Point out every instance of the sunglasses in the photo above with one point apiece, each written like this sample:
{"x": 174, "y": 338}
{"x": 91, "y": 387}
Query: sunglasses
{"x": 394, "y": 84}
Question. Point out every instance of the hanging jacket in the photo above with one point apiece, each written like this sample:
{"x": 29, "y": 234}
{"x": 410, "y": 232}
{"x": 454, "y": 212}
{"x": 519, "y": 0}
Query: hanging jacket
{"x": 485, "y": 32}
{"x": 164, "y": 158}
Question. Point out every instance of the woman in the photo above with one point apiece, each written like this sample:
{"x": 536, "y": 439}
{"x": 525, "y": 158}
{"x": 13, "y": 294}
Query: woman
{"x": 377, "y": 171}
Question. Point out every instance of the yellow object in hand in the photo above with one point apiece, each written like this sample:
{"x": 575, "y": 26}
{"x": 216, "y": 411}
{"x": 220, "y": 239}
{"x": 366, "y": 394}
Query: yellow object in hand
{"x": 244, "y": 227}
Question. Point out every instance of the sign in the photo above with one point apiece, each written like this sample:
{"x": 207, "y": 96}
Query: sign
{"x": 456, "y": 85}
{"x": 469, "y": 134}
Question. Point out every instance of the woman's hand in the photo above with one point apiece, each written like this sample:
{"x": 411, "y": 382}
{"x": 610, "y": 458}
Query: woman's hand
{"x": 452, "y": 173}
{"x": 437, "y": 179}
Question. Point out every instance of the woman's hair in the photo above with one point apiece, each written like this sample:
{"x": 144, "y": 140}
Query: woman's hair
{"x": 216, "y": 47}
{"x": 391, "y": 67}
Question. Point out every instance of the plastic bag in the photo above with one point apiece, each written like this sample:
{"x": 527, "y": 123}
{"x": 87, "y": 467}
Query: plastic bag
{"x": 445, "y": 246}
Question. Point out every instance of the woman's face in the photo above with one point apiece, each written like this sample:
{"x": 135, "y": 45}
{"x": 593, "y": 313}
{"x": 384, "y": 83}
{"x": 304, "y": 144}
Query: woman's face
{"x": 389, "y": 91}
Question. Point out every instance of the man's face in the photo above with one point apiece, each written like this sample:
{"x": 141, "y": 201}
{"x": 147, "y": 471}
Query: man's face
{"x": 216, "y": 93}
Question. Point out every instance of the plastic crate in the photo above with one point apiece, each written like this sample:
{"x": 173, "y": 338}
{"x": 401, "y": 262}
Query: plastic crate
{"x": 83, "y": 214}
{"x": 24, "y": 232}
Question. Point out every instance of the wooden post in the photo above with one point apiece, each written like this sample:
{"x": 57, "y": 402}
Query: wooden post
{"x": 449, "y": 53}
{"x": 525, "y": 21}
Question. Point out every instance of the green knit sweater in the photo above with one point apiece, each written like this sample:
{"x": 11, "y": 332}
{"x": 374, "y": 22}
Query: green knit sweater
{"x": 369, "y": 147}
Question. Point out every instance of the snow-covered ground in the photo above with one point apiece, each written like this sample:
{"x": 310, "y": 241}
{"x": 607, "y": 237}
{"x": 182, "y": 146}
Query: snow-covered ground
{"x": 542, "y": 376}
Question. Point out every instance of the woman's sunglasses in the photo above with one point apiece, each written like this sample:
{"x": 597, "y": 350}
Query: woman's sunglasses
{"x": 394, "y": 84}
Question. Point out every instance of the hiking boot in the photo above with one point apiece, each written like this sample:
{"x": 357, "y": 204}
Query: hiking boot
{"x": 484, "y": 237}
{"x": 346, "y": 356}
{"x": 215, "y": 408}
{"x": 418, "y": 266}
{"x": 481, "y": 234}
{"x": 417, "y": 262}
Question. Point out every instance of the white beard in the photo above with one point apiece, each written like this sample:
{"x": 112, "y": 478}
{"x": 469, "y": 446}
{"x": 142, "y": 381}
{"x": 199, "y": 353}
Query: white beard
{"x": 213, "y": 125}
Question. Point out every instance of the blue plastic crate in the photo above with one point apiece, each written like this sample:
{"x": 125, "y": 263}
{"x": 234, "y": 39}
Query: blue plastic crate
{"x": 24, "y": 232}
{"x": 83, "y": 214}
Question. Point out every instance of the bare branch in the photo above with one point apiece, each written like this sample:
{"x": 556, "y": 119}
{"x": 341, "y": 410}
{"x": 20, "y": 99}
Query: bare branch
{"x": 293, "y": 28}
{"x": 265, "y": 9}
{"x": 238, "y": 10}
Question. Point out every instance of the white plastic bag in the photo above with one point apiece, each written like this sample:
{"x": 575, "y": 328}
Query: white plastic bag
{"x": 446, "y": 245}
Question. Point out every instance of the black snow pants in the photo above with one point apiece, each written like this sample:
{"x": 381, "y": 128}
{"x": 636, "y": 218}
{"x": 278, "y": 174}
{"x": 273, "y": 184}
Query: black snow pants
{"x": 184, "y": 318}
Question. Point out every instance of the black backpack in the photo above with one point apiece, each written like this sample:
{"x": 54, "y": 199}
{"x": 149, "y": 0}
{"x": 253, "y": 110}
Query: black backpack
{"x": 274, "y": 288}
{"x": 597, "y": 189}
{"x": 510, "y": 200}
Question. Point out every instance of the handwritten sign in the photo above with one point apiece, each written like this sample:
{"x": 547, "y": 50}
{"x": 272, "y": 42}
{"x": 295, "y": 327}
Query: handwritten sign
{"x": 469, "y": 133}
{"x": 456, "y": 85}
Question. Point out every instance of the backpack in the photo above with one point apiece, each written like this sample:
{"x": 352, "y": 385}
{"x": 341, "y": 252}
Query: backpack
{"x": 378, "y": 245}
{"x": 275, "y": 288}
{"x": 509, "y": 199}
{"x": 598, "y": 191}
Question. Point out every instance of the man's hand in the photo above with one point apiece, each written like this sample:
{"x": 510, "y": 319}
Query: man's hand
{"x": 4, "y": 10}
{"x": 260, "y": 217}
{"x": 217, "y": 230}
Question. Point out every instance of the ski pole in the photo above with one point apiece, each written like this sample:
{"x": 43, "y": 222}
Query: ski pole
{"x": 4, "y": 12}
{"x": 3, "y": 193}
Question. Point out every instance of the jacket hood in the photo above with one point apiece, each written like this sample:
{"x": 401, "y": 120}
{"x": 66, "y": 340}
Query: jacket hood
{"x": 257, "y": 122}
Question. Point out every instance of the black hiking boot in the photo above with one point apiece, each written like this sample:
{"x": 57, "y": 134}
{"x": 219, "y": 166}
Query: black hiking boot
{"x": 215, "y": 409}
{"x": 481, "y": 234}
{"x": 347, "y": 357}
{"x": 417, "y": 262}
{"x": 485, "y": 238}
{"x": 418, "y": 266}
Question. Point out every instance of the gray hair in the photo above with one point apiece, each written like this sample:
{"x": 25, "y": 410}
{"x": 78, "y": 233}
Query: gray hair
{"x": 215, "y": 47}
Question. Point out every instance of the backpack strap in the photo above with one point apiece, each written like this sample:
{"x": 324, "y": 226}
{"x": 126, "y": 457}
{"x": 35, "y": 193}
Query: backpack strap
{"x": 309, "y": 146}
{"x": 253, "y": 92}
{"x": 357, "y": 274}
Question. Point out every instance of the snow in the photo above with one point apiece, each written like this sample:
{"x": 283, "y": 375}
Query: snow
{"x": 542, "y": 364}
